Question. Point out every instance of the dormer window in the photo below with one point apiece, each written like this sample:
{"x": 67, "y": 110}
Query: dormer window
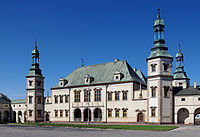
{"x": 88, "y": 79}
{"x": 62, "y": 82}
{"x": 117, "y": 76}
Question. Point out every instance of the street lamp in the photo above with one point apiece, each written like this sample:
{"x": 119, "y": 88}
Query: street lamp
{"x": 88, "y": 96}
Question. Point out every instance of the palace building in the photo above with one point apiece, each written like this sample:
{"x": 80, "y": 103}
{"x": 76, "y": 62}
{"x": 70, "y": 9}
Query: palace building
{"x": 112, "y": 92}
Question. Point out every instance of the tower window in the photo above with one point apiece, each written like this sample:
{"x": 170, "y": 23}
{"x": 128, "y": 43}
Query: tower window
{"x": 166, "y": 91}
{"x": 39, "y": 101}
{"x": 30, "y": 99}
{"x": 165, "y": 66}
{"x": 153, "y": 92}
{"x": 110, "y": 96}
{"x": 198, "y": 99}
{"x": 30, "y": 82}
{"x": 39, "y": 83}
{"x": 153, "y": 67}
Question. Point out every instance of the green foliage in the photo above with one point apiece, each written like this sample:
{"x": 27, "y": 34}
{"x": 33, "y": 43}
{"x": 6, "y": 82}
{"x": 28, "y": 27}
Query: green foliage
{"x": 106, "y": 126}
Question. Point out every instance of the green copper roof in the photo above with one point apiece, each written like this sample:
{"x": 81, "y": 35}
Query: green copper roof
{"x": 159, "y": 52}
{"x": 35, "y": 69}
{"x": 18, "y": 101}
{"x": 102, "y": 73}
{"x": 159, "y": 49}
{"x": 179, "y": 73}
{"x": 141, "y": 75}
{"x": 179, "y": 55}
{"x": 4, "y": 99}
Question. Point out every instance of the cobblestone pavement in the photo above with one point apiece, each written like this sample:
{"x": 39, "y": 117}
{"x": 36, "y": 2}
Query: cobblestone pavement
{"x": 35, "y": 131}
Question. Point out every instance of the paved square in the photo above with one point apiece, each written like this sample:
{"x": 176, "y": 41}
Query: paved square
{"x": 33, "y": 131}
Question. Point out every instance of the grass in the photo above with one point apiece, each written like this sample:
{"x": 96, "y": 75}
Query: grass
{"x": 102, "y": 126}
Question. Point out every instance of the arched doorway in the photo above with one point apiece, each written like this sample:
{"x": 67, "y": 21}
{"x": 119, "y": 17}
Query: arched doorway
{"x": 19, "y": 117}
{"x": 77, "y": 114}
{"x": 140, "y": 117}
{"x": 97, "y": 114}
{"x": 47, "y": 116}
{"x": 6, "y": 116}
{"x": 14, "y": 116}
{"x": 85, "y": 113}
{"x": 182, "y": 115}
{"x": 197, "y": 116}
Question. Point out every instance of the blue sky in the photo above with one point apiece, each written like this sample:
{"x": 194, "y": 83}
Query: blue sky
{"x": 99, "y": 31}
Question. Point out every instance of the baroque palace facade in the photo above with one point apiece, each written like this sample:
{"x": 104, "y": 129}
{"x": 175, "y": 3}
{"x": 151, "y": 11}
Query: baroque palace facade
{"x": 111, "y": 92}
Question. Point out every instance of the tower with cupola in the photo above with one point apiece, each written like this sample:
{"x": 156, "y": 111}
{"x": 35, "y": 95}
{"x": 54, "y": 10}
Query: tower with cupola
{"x": 159, "y": 77}
{"x": 180, "y": 78}
{"x": 35, "y": 90}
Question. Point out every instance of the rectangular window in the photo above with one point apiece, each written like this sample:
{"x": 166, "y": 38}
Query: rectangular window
{"x": 116, "y": 95}
{"x": 198, "y": 99}
{"x": 153, "y": 112}
{"x": 77, "y": 96}
{"x": 56, "y": 99}
{"x": 153, "y": 92}
{"x": 66, "y": 99}
{"x": 110, "y": 96}
{"x": 125, "y": 113}
{"x": 109, "y": 113}
{"x": 124, "y": 95}
{"x": 66, "y": 113}
{"x": 87, "y": 96}
{"x": 61, "y": 99}
{"x": 61, "y": 113}
{"x": 116, "y": 113}
{"x": 182, "y": 99}
{"x": 97, "y": 95}
{"x": 56, "y": 113}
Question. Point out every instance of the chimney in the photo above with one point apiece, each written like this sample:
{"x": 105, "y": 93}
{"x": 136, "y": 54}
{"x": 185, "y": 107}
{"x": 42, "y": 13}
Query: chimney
{"x": 195, "y": 84}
